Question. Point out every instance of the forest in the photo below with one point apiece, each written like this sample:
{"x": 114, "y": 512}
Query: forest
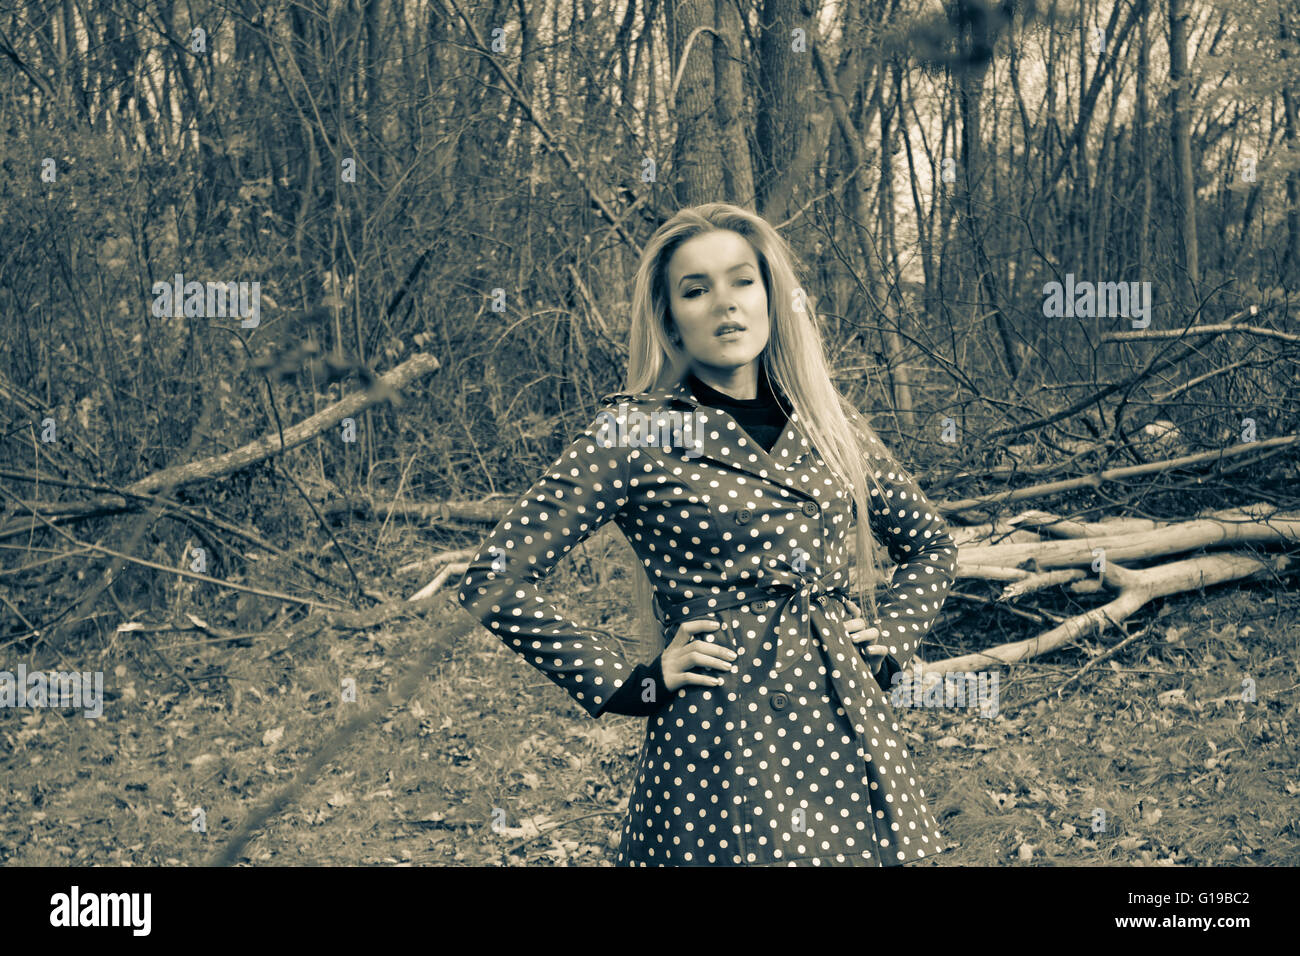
{"x": 297, "y": 297}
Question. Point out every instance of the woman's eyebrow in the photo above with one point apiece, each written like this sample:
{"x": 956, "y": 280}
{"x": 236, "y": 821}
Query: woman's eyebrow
{"x": 701, "y": 275}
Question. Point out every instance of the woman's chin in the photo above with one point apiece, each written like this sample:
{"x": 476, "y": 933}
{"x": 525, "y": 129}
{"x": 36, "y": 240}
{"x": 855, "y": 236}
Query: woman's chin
{"x": 729, "y": 355}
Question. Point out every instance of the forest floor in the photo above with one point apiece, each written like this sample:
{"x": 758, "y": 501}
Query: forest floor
{"x": 491, "y": 764}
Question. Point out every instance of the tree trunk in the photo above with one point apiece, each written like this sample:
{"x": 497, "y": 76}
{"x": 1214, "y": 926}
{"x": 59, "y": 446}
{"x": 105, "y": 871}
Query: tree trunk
{"x": 1180, "y": 103}
{"x": 785, "y": 79}
{"x": 697, "y": 153}
{"x": 729, "y": 82}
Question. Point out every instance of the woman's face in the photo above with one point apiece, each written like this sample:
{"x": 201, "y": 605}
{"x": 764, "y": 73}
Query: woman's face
{"x": 717, "y": 301}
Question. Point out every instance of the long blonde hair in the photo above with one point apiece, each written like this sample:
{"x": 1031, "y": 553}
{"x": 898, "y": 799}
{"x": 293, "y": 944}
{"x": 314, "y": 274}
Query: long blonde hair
{"x": 794, "y": 360}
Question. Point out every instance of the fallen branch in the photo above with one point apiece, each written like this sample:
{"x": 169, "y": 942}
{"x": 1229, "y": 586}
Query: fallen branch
{"x": 181, "y": 572}
{"x": 240, "y": 458}
{"x": 1060, "y": 527}
{"x": 988, "y": 572}
{"x": 1040, "y": 582}
{"x": 1260, "y": 524}
{"x": 1136, "y": 589}
{"x": 166, "y": 507}
{"x": 295, "y": 435}
{"x": 475, "y": 512}
{"x": 1149, "y": 335}
{"x": 458, "y": 568}
{"x": 1115, "y": 474}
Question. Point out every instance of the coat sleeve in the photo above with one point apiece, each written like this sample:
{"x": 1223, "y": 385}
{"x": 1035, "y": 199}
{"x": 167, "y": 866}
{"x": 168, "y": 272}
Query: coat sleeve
{"x": 919, "y": 543}
{"x": 585, "y": 487}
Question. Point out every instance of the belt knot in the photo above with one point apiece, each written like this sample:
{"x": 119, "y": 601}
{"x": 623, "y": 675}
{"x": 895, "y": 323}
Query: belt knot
{"x": 804, "y": 589}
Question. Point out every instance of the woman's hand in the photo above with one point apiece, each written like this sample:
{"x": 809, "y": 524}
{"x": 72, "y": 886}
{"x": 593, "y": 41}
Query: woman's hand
{"x": 685, "y": 653}
{"x": 859, "y": 632}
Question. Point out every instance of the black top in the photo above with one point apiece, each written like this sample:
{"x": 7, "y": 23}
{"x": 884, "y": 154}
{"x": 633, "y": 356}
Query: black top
{"x": 763, "y": 418}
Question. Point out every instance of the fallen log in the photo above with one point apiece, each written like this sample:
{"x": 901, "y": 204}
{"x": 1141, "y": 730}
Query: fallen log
{"x": 1058, "y": 527}
{"x": 1136, "y": 589}
{"x": 460, "y": 554}
{"x": 1040, "y": 582}
{"x": 1261, "y": 524}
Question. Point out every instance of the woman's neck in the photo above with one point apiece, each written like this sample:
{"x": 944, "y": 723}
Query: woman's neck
{"x": 765, "y": 398}
{"x": 741, "y": 382}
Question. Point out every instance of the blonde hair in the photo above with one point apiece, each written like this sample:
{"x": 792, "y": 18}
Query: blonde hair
{"x": 794, "y": 360}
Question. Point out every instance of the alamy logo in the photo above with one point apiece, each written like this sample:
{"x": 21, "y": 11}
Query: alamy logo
{"x": 102, "y": 909}
{"x": 210, "y": 300}
{"x": 1098, "y": 300}
{"x": 662, "y": 429}
{"x": 55, "y": 689}
{"x": 957, "y": 689}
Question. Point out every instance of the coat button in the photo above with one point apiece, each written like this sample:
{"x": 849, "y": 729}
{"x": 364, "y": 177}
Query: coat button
{"x": 779, "y": 701}
{"x": 758, "y": 607}
{"x": 810, "y": 509}
{"x": 743, "y": 516}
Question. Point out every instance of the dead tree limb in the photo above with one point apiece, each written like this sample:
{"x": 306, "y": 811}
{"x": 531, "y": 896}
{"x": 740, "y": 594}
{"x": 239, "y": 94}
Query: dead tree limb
{"x": 294, "y": 435}
{"x": 1147, "y": 335}
{"x": 232, "y": 461}
{"x": 1114, "y": 474}
{"x": 1262, "y": 524}
{"x": 474, "y": 512}
{"x": 1040, "y": 582}
{"x": 1136, "y": 589}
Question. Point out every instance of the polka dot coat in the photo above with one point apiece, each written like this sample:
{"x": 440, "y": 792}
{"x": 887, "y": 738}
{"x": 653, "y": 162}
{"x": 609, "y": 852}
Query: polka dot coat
{"x": 798, "y": 757}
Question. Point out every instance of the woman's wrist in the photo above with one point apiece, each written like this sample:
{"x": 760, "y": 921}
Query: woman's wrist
{"x": 643, "y": 693}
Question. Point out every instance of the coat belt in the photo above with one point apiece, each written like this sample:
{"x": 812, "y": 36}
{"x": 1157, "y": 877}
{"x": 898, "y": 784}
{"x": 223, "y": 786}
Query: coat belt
{"x": 804, "y": 592}
{"x": 770, "y": 595}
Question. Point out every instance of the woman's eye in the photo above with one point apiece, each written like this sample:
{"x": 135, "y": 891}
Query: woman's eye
{"x": 690, "y": 293}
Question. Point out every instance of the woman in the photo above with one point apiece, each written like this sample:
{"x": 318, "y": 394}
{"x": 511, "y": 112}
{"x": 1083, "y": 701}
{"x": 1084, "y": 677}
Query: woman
{"x": 769, "y": 739}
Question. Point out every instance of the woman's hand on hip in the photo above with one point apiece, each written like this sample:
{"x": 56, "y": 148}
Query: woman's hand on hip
{"x": 685, "y": 653}
{"x": 859, "y": 632}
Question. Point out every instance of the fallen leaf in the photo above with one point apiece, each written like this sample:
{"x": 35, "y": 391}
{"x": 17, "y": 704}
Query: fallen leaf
{"x": 529, "y": 828}
{"x": 1003, "y": 801}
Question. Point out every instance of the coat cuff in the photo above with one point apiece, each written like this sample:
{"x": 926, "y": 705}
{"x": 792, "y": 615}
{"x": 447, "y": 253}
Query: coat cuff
{"x": 646, "y": 681}
{"x": 888, "y": 668}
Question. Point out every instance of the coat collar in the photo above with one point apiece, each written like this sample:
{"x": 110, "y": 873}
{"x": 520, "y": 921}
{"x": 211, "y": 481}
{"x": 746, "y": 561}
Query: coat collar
{"x": 731, "y": 448}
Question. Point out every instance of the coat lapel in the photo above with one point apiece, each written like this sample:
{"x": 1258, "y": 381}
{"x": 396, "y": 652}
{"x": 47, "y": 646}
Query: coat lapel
{"x": 786, "y": 454}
